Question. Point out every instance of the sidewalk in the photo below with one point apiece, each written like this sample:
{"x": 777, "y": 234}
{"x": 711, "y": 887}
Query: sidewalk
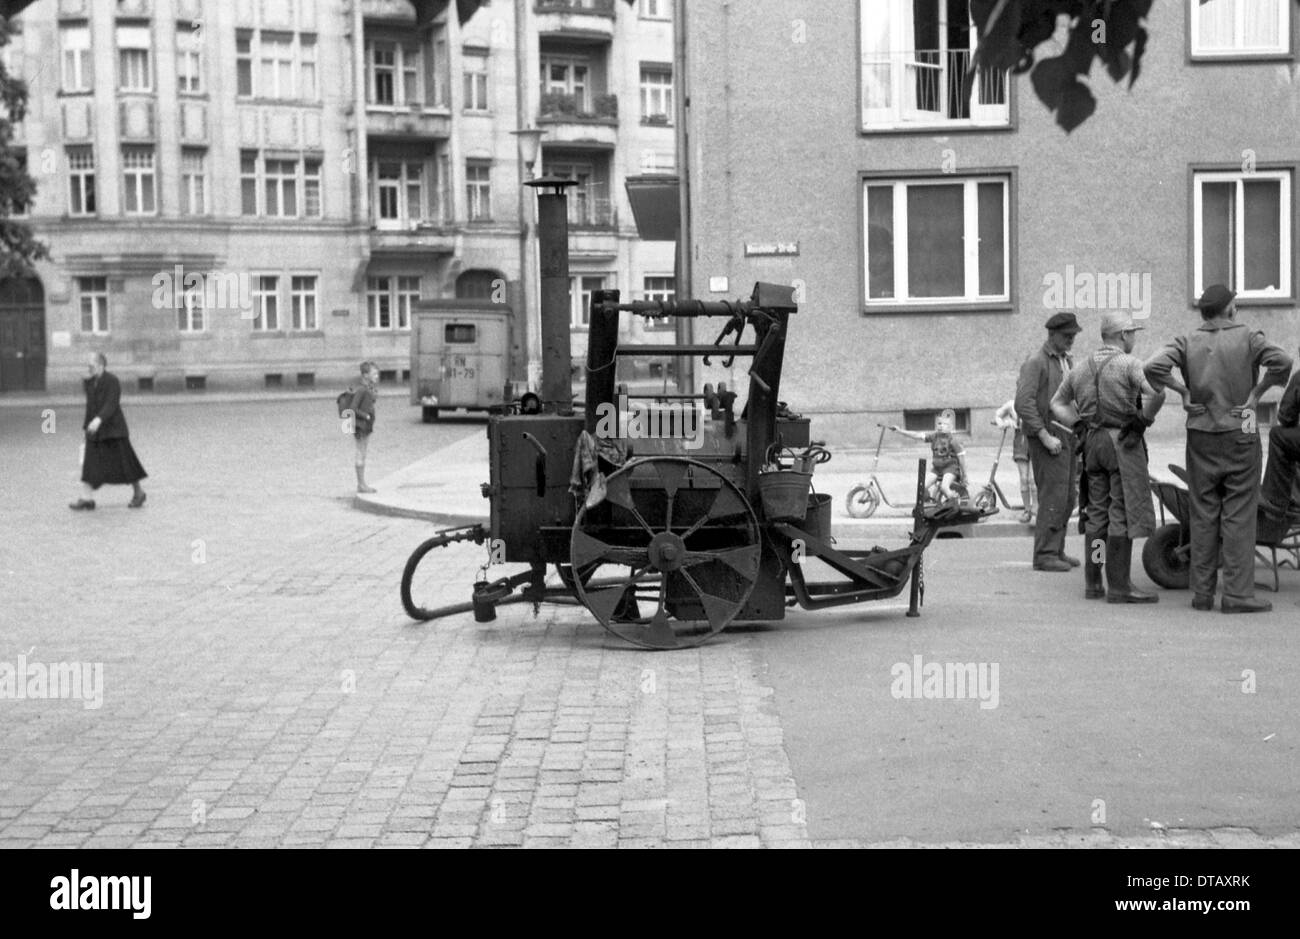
{"x": 444, "y": 488}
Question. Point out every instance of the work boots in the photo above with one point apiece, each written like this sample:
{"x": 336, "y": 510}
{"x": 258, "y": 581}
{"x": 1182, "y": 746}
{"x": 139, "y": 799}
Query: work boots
{"x": 1093, "y": 587}
{"x": 1119, "y": 557}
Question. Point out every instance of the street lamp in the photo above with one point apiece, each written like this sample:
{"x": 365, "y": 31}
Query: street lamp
{"x": 530, "y": 145}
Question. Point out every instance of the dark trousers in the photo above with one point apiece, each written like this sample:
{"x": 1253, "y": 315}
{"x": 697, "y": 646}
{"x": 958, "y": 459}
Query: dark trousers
{"x": 1279, "y": 476}
{"x": 1055, "y": 477}
{"x": 1223, "y": 472}
{"x": 1105, "y": 515}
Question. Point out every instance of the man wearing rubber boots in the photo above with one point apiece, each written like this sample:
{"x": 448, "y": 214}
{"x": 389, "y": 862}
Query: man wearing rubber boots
{"x": 1108, "y": 399}
{"x": 1220, "y": 363}
{"x": 1053, "y": 461}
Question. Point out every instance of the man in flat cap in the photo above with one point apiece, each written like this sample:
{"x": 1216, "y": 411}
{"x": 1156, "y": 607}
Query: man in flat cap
{"x": 1108, "y": 398}
{"x": 1221, "y": 387}
{"x": 1053, "y": 461}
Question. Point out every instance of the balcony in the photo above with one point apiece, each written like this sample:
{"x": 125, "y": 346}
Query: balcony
{"x": 592, "y": 209}
{"x": 924, "y": 87}
{"x": 413, "y": 121}
{"x": 415, "y": 239}
{"x": 583, "y": 20}
{"x": 391, "y": 11}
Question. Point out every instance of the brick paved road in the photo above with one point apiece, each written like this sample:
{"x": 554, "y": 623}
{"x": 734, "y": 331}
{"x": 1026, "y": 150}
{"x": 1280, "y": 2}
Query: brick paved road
{"x": 261, "y": 685}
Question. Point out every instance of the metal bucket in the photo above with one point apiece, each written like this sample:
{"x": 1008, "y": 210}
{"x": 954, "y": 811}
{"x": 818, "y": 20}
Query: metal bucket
{"x": 818, "y": 521}
{"x": 784, "y": 495}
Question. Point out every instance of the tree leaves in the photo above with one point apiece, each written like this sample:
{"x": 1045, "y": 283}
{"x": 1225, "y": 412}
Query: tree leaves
{"x": 18, "y": 246}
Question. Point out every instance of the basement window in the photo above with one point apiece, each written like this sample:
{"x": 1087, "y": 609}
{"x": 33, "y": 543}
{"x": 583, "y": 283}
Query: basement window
{"x": 923, "y": 421}
{"x": 196, "y": 382}
{"x": 144, "y": 384}
{"x": 274, "y": 380}
{"x": 306, "y": 379}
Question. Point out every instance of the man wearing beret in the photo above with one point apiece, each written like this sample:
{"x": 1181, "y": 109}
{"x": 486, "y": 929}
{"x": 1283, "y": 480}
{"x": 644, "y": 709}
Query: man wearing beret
{"x": 1220, "y": 364}
{"x": 1054, "y": 463}
{"x": 1109, "y": 396}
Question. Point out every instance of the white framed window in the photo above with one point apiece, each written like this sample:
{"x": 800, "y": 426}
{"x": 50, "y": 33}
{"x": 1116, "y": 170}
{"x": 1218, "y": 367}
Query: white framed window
{"x": 189, "y": 58}
{"x": 399, "y": 193}
{"x": 589, "y": 203}
{"x": 266, "y": 302}
{"x": 568, "y": 76}
{"x": 1240, "y": 27}
{"x": 916, "y": 55}
{"x": 659, "y": 288}
{"x": 191, "y": 317}
{"x": 276, "y": 65}
{"x": 244, "y": 64}
{"x": 379, "y": 303}
{"x": 275, "y": 73}
{"x": 74, "y": 41}
{"x": 194, "y": 181}
{"x": 248, "y": 182}
{"x": 1241, "y": 230}
{"x": 81, "y": 181}
{"x": 139, "y": 178}
{"x": 303, "y": 303}
{"x": 476, "y": 81}
{"x": 311, "y": 188}
{"x": 395, "y": 74}
{"x": 307, "y": 67}
{"x": 581, "y": 288}
{"x": 937, "y": 241}
{"x": 92, "y": 298}
{"x": 280, "y": 188}
{"x": 408, "y": 295}
{"x": 135, "y": 72}
{"x": 656, "y": 94}
{"x": 478, "y": 183}
{"x": 656, "y": 9}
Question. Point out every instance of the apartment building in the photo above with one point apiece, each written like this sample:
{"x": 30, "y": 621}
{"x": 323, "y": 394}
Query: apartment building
{"x": 256, "y": 193}
{"x": 933, "y": 232}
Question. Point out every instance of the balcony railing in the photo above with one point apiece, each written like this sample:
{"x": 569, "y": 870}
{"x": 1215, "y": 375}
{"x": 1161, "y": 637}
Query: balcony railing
{"x": 591, "y": 207}
{"x": 926, "y": 85}
{"x": 599, "y": 7}
{"x": 556, "y": 105}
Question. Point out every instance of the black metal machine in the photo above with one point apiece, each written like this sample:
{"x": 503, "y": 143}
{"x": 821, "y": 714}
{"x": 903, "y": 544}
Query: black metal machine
{"x": 666, "y": 541}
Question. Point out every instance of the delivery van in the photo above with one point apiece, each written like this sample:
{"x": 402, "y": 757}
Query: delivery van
{"x": 460, "y": 356}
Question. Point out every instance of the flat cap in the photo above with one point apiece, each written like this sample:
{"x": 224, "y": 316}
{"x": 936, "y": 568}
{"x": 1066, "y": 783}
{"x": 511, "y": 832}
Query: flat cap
{"x": 1215, "y": 300}
{"x": 1065, "y": 322}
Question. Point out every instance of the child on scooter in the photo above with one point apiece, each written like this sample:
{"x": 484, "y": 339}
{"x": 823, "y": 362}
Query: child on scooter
{"x": 1007, "y": 417}
{"x": 949, "y": 457}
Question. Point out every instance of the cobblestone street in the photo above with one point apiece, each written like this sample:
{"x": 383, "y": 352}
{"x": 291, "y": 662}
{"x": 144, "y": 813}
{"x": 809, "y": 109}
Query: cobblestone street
{"x": 262, "y": 687}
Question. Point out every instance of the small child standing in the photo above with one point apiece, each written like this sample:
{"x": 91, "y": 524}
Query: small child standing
{"x": 1007, "y": 417}
{"x": 949, "y": 456}
{"x": 363, "y": 417}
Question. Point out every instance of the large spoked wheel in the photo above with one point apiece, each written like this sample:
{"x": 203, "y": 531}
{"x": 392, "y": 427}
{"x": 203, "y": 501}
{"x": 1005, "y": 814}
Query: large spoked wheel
{"x": 683, "y": 542}
{"x": 862, "y": 502}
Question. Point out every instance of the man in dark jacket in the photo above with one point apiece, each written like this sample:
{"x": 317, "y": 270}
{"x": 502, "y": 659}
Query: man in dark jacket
{"x": 1220, "y": 387}
{"x": 1278, "y": 494}
{"x": 1053, "y": 459}
{"x": 109, "y": 457}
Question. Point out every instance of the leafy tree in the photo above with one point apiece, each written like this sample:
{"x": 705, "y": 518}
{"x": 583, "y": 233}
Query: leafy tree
{"x": 18, "y": 246}
{"x": 1112, "y": 32}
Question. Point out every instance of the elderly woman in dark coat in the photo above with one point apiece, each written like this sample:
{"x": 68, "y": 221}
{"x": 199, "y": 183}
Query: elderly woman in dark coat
{"x": 109, "y": 456}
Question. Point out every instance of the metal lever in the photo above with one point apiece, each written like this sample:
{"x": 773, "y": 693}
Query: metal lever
{"x": 541, "y": 463}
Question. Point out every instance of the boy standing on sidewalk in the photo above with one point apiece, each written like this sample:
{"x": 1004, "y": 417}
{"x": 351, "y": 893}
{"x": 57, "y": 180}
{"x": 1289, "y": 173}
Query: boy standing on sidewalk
{"x": 363, "y": 417}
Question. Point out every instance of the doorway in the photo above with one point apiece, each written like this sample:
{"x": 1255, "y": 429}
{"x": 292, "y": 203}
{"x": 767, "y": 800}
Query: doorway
{"x": 22, "y": 335}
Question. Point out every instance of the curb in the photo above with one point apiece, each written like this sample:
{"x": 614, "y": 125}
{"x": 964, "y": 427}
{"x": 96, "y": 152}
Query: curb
{"x": 168, "y": 400}
{"x": 375, "y": 507}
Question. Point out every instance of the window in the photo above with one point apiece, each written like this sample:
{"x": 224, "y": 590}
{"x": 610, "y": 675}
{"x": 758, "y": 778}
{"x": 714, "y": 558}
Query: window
{"x": 77, "y": 72}
{"x": 92, "y": 294}
{"x": 390, "y": 301}
{"x": 276, "y": 65}
{"x": 580, "y": 290}
{"x": 589, "y": 203}
{"x": 1242, "y": 232}
{"x": 567, "y": 77}
{"x": 460, "y": 334}
{"x": 399, "y": 193}
{"x": 656, "y": 95}
{"x": 395, "y": 74}
{"x": 266, "y": 303}
{"x": 916, "y": 55}
{"x": 248, "y": 182}
{"x": 476, "y": 81}
{"x": 133, "y": 46}
{"x": 138, "y": 175}
{"x": 244, "y": 65}
{"x": 191, "y": 314}
{"x": 302, "y": 302}
{"x": 194, "y": 182}
{"x": 478, "y": 181}
{"x": 288, "y": 188}
{"x": 1240, "y": 27}
{"x": 660, "y": 289}
{"x": 81, "y": 181}
{"x": 656, "y": 9}
{"x": 189, "y": 58}
{"x": 941, "y": 240}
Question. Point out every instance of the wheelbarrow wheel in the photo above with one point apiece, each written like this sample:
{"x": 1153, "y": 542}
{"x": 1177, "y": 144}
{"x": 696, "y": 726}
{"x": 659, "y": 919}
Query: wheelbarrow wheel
{"x": 1165, "y": 559}
{"x": 681, "y": 536}
{"x": 862, "y": 502}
